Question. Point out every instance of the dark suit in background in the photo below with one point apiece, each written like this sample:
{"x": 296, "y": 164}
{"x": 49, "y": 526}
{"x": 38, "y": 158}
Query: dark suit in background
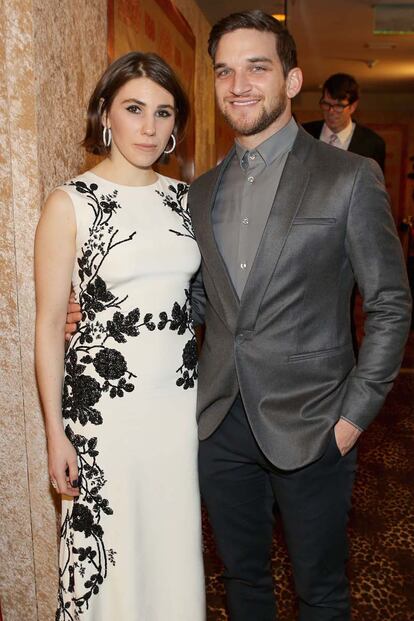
{"x": 364, "y": 141}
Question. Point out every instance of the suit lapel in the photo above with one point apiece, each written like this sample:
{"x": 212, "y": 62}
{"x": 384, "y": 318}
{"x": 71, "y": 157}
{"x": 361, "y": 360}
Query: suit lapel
{"x": 212, "y": 258}
{"x": 287, "y": 201}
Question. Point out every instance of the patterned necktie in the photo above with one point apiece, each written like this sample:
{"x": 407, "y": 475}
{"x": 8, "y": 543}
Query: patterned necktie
{"x": 332, "y": 139}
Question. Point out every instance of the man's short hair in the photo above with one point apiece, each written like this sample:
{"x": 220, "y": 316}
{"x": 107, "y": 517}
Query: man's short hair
{"x": 342, "y": 86}
{"x": 257, "y": 20}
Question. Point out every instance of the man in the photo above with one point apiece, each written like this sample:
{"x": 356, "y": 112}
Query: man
{"x": 285, "y": 224}
{"x": 340, "y": 98}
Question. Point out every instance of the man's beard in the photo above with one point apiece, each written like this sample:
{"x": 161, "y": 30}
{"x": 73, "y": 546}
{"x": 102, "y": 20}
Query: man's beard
{"x": 262, "y": 122}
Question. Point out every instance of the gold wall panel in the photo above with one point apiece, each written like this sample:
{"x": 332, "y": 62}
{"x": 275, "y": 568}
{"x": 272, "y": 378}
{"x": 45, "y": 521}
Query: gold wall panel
{"x": 205, "y": 156}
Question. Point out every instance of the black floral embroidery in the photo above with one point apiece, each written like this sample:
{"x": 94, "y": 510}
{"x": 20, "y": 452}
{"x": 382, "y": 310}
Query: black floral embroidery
{"x": 180, "y": 321}
{"x": 93, "y": 348}
{"x": 180, "y": 317}
{"x": 85, "y": 564}
{"x": 190, "y": 355}
{"x": 90, "y": 560}
{"x": 175, "y": 201}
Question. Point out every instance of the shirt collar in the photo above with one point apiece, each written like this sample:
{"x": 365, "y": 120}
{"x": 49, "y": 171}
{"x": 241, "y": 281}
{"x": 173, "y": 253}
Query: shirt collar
{"x": 274, "y": 146}
{"x": 343, "y": 135}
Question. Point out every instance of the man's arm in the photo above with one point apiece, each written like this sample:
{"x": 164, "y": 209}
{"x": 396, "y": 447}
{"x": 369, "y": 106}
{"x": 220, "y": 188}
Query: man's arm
{"x": 198, "y": 304}
{"x": 198, "y": 299}
{"x": 377, "y": 261}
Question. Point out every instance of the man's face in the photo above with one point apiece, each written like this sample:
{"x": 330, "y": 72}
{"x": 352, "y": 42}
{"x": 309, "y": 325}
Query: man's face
{"x": 338, "y": 119}
{"x": 252, "y": 92}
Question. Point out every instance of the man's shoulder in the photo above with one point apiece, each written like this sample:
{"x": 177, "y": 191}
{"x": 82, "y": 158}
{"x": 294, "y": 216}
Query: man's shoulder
{"x": 201, "y": 184}
{"x": 205, "y": 177}
{"x": 320, "y": 153}
{"x": 367, "y": 132}
{"x": 322, "y": 159}
{"x": 313, "y": 127}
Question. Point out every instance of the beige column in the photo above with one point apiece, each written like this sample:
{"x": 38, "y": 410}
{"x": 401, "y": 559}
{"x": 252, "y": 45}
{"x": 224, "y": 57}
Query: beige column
{"x": 51, "y": 54}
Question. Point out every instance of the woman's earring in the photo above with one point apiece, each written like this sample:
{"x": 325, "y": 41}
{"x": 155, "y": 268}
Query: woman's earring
{"x": 107, "y": 137}
{"x": 167, "y": 151}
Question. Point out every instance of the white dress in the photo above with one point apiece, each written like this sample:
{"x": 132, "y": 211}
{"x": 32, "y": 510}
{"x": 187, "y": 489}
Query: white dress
{"x": 131, "y": 543}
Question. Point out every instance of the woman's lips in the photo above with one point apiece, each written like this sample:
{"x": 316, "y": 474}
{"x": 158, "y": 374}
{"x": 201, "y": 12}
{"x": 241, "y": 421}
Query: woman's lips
{"x": 146, "y": 147}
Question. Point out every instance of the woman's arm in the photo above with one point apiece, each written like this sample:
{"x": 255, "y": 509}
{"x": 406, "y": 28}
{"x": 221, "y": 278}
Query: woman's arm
{"x": 54, "y": 259}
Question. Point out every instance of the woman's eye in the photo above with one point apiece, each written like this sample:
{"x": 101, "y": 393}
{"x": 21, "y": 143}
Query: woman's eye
{"x": 164, "y": 114}
{"x": 134, "y": 109}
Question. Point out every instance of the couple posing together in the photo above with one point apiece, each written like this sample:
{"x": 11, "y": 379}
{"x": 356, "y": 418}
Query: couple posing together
{"x": 283, "y": 228}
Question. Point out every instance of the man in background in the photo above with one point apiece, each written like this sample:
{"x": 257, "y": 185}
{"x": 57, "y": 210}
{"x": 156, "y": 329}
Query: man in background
{"x": 340, "y": 98}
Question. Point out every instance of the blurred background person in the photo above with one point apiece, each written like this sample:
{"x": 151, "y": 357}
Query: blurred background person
{"x": 339, "y": 100}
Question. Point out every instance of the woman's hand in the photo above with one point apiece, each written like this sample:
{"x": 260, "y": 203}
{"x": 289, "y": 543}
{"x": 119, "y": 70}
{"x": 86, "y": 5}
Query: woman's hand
{"x": 63, "y": 465}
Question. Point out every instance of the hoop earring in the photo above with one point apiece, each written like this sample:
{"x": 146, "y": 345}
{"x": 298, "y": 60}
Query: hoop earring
{"x": 107, "y": 136}
{"x": 167, "y": 151}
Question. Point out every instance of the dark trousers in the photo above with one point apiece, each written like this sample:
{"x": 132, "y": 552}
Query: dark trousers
{"x": 240, "y": 486}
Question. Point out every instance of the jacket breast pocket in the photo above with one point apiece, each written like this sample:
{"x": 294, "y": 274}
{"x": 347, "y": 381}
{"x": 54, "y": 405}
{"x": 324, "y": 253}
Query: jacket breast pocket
{"x": 314, "y": 221}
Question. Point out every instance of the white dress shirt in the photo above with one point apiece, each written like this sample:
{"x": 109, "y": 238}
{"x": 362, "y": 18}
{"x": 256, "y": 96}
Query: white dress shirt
{"x": 343, "y": 137}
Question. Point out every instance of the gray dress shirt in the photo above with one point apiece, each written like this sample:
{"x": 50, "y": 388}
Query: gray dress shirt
{"x": 245, "y": 198}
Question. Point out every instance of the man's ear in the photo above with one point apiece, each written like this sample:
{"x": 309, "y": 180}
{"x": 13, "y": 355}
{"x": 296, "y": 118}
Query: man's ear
{"x": 353, "y": 106}
{"x": 294, "y": 82}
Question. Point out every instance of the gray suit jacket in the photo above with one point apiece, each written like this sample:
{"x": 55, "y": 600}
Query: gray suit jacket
{"x": 364, "y": 141}
{"x": 286, "y": 344}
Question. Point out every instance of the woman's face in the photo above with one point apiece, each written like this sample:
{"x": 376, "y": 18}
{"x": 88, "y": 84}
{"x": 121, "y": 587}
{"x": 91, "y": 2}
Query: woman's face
{"x": 141, "y": 118}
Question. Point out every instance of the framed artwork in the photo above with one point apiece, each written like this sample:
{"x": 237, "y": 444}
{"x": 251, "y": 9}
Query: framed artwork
{"x": 157, "y": 26}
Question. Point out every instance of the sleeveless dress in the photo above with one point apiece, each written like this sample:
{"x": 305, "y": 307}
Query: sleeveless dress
{"x": 131, "y": 543}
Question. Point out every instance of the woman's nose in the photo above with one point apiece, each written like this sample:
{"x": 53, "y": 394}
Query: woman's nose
{"x": 148, "y": 126}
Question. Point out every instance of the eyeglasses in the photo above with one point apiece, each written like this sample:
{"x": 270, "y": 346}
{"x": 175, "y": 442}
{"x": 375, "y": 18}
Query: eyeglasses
{"x": 325, "y": 105}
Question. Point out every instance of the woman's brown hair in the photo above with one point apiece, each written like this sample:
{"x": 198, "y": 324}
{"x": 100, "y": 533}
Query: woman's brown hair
{"x": 127, "y": 67}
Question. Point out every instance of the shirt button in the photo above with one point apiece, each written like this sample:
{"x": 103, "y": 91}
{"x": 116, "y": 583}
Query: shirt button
{"x": 245, "y": 221}
{"x": 243, "y": 266}
{"x": 250, "y": 179}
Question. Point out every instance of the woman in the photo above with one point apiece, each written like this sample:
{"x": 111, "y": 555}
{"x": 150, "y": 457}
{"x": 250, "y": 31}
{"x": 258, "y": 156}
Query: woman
{"x": 122, "y": 439}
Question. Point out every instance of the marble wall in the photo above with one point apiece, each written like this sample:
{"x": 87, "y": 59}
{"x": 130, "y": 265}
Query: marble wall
{"x": 47, "y": 70}
{"x": 51, "y": 53}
